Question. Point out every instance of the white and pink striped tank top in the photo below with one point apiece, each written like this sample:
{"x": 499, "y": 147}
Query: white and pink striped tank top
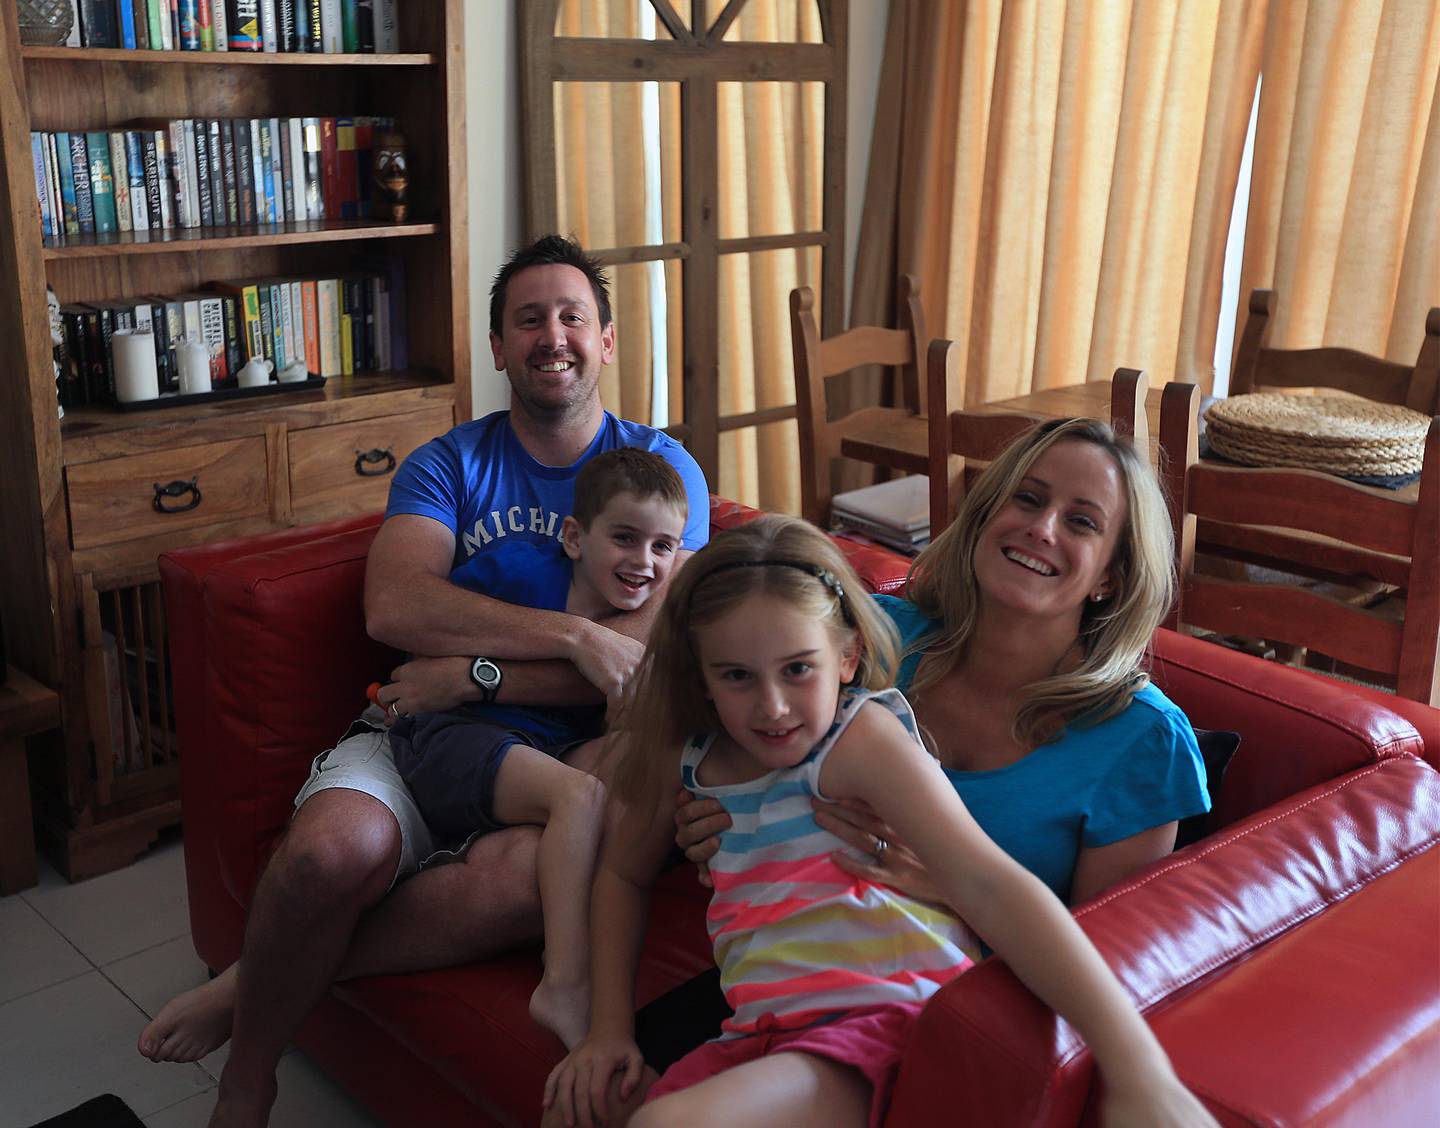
{"x": 798, "y": 939}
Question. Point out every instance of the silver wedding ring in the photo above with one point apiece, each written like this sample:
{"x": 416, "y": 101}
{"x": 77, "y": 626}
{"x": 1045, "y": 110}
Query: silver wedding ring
{"x": 880, "y": 847}
{"x": 394, "y": 709}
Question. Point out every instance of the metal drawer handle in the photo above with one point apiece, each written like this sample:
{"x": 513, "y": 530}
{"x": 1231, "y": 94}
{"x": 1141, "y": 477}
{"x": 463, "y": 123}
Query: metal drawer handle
{"x": 365, "y": 458}
{"x": 178, "y": 488}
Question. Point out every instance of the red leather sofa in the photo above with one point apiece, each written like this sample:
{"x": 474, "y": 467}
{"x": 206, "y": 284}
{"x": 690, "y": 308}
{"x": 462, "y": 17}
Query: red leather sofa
{"x": 1288, "y": 960}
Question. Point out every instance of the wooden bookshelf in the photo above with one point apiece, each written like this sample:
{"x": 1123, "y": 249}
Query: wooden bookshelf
{"x": 79, "y": 593}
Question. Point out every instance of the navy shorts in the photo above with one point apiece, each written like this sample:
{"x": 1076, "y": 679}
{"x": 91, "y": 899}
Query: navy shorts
{"x": 450, "y": 763}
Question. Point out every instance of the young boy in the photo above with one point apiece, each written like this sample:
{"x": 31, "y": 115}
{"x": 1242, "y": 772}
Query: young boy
{"x": 495, "y": 765}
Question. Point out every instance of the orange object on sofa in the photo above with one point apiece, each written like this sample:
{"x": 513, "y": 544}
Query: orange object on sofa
{"x": 1286, "y": 960}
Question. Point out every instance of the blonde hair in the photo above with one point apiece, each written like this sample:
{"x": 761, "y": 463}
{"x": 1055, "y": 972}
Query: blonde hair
{"x": 1114, "y": 632}
{"x": 782, "y": 557}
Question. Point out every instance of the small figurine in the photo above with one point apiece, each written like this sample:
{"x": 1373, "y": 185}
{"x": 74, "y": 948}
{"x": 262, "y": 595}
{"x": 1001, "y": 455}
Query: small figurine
{"x": 57, "y": 341}
{"x": 391, "y": 177}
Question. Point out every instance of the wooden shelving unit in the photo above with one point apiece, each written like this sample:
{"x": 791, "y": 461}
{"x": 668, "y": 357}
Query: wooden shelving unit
{"x": 79, "y": 593}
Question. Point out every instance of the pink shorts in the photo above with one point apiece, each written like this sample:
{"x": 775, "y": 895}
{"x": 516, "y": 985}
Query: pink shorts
{"x": 870, "y": 1040}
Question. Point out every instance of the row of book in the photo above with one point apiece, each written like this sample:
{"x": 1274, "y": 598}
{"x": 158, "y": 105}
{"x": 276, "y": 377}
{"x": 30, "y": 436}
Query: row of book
{"x": 304, "y": 26}
{"x": 335, "y": 326}
{"x": 196, "y": 172}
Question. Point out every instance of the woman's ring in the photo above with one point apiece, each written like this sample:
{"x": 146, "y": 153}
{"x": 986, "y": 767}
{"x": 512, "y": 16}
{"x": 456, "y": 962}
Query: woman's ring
{"x": 394, "y": 709}
{"x": 880, "y": 847}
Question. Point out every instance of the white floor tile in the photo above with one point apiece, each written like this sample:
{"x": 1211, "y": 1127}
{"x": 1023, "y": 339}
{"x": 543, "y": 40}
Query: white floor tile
{"x": 307, "y": 1099}
{"x": 65, "y": 1044}
{"x": 118, "y": 914}
{"x": 153, "y": 977}
{"x": 32, "y": 954}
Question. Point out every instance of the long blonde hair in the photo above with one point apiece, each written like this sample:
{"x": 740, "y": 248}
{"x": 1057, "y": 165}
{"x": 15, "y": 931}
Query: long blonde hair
{"x": 777, "y": 556}
{"x": 1113, "y": 633}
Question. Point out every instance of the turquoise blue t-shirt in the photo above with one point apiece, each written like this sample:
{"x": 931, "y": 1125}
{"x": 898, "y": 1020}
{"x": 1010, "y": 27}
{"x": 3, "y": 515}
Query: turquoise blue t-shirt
{"x": 1095, "y": 785}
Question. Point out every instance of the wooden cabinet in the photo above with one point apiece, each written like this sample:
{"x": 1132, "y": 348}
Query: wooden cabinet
{"x": 88, "y": 502}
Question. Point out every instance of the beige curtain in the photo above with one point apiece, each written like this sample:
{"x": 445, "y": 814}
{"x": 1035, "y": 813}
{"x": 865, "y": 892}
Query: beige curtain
{"x": 1344, "y": 219}
{"x": 1060, "y": 177}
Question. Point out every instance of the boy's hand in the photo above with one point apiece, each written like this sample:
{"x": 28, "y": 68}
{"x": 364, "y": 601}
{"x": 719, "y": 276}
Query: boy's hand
{"x": 605, "y": 658}
{"x": 698, "y": 826}
{"x": 577, "y": 1086}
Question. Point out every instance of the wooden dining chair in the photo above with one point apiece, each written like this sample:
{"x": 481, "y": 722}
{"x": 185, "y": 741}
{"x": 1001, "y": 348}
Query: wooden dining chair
{"x": 1403, "y": 534}
{"x": 977, "y": 436}
{"x": 817, "y": 361}
{"x": 1258, "y": 366}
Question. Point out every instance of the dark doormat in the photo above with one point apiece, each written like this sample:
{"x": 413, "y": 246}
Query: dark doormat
{"x": 108, "y": 1111}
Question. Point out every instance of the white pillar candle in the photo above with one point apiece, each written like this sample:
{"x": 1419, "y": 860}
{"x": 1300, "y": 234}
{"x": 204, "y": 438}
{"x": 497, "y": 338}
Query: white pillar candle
{"x": 136, "y": 378}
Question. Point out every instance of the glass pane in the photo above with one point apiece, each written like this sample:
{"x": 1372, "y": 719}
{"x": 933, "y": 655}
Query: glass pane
{"x": 760, "y": 466}
{"x": 757, "y": 365}
{"x": 611, "y": 19}
{"x": 772, "y": 21}
{"x": 644, "y": 383}
{"x": 771, "y": 158}
{"x": 617, "y": 162}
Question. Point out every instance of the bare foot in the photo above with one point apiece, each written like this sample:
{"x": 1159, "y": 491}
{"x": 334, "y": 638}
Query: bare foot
{"x": 193, "y": 1024}
{"x": 565, "y": 1010}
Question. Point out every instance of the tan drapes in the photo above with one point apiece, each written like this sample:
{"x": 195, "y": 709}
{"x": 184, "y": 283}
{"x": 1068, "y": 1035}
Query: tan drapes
{"x": 1344, "y": 219}
{"x": 1060, "y": 177}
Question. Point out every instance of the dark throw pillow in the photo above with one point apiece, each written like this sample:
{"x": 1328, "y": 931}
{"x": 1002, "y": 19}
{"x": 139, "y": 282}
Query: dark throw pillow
{"x": 1216, "y": 748}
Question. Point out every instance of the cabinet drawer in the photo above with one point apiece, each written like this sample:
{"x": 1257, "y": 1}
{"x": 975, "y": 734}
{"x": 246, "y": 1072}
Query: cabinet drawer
{"x": 354, "y": 462}
{"x": 143, "y": 495}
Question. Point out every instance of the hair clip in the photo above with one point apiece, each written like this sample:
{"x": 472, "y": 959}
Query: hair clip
{"x": 824, "y": 575}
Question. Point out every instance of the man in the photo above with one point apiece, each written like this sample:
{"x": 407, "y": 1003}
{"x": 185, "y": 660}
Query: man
{"x": 468, "y": 573}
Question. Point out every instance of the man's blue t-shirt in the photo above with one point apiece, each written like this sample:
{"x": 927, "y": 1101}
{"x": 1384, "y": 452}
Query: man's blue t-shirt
{"x": 1094, "y": 785}
{"x": 506, "y": 511}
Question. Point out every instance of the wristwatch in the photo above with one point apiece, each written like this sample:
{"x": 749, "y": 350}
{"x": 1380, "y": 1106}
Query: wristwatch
{"x": 486, "y": 676}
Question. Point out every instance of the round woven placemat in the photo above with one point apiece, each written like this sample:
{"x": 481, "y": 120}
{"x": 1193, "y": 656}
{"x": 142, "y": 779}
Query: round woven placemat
{"x": 1335, "y": 434}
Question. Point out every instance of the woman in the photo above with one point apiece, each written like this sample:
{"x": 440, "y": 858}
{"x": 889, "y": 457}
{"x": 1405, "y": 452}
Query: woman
{"x": 1023, "y": 631}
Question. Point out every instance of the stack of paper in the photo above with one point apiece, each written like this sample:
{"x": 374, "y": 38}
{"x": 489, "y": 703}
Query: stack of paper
{"x": 894, "y": 513}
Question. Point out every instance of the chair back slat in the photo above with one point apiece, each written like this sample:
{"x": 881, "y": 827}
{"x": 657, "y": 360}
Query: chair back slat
{"x": 869, "y": 344}
{"x": 1294, "y": 615}
{"x": 1303, "y": 499}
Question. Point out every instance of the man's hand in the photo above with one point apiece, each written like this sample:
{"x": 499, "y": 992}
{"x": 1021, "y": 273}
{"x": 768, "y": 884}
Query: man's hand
{"x": 427, "y": 685}
{"x": 605, "y": 658}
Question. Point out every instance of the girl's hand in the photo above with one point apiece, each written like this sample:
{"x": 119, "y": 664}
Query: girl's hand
{"x": 1158, "y": 1100}
{"x": 895, "y": 865}
{"x": 698, "y": 826}
{"x": 577, "y": 1086}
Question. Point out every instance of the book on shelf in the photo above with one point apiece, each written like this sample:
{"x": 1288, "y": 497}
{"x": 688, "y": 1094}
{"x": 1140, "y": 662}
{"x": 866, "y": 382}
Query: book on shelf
{"x": 387, "y": 27}
{"x": 135, "y": 169}
{"x": 98, "y": 26}
{"x": 102, "y": 183}
{"x": 120, "y": 169}
{"x": 314, "y": 194}
{"x": 80, "y": 178}
{"x": 189, "y": 16}
{"x": 269, "y": 40}
{"x": 125, "y": 11}
{"x": 220, "y": 27}
{"x": 243, "y": 18}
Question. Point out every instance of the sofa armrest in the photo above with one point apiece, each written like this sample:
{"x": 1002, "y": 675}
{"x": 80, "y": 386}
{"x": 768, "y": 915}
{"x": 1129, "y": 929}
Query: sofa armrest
{"x": 993, "y": 1054}
{"x": 1297, "y": 728}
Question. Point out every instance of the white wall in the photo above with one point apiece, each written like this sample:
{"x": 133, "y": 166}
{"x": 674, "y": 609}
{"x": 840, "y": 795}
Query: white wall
{"x": 492, "y": 97}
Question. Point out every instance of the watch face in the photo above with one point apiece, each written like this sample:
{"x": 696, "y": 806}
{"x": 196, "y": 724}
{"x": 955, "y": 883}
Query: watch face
{"x": 485, "y": 674}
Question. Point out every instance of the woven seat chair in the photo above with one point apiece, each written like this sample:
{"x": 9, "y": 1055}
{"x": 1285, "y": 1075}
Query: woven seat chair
{"x": 977, "y": 436}
{"x": 1258, "y": 366}
{"x": 817, "y": 361}
{"x": 1389, "y": 536}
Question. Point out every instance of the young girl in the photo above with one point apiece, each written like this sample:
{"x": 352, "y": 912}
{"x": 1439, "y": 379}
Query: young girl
{"x": 768, "y": 649}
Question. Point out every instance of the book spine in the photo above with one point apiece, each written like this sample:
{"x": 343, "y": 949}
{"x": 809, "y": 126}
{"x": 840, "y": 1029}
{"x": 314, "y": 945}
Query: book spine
{"x": 175, "y": 165}
{"x": 244, "y": 171}
{"x": 328, "y": 303}
{"x": 205, "y": 21}
{"x": 267, "y": 322}
{"x": 380, "y": 301}
{"x": 175, "y": 24}
{"x": 126, "y": 11}
{"x": 95, "y": 381}
{"x": 269, "y": 41}
{"x": 367, "y": 301}
{"x": 120, "y": 173}
{"x": 152, "y": 23}
{"x": 135, "y": 169}
{"x": 80, "y": 173}
{"x": 234, "y": 339}
{"x": 167, "y": 28}
{"x": 190, "y": 153}
{"x": 349, "y": 27}
{"x": 233, "y": 214}
{"x": 74, "y": 365}
{"x": 301, "y": 23}
{"x": 163, "y": 371}
{"x": 42, "y": 190}
{"x": 266, "y": 169}
{"x": 243, "y": 20}
{"x": 317, "y": 36}
{"x": 277, "y": 169}
{"x": 212, "y": 332}
{"x": 99, "y": 27}
{"x": 52, "y": 171}
{"x": 359, "y": 299}
{"x": 190, "y": 311}
{"x": 364, "y": 139}
{"x": 310, "y": 320}
{"x": 399, "y": 338}
{"x": 216, "y": 171}
{"x": 189, "y": 26}
{"x": 285, "y": 197}
{"x": 102, "y": 366}
{"x": 221, "y": 24}
{"x": 331, "y": 36}
{"x": 66, "y": 169}
{"x": 200, "y": 132}
{"x": 164, "y": 171}
{"x": 258, "y": 164}
{"x": 347, "y": 335}
{"x": 286, "y": 39}
{"x": 174, "y": 334}
{"x": 295, "y": 175}
{"x": 287, "y": 323}
{"x": 314, "y": 194}
{"x": 154, "y": 192}
{"x": 387, "y": 27}
{"x": 347, "y": 169}
{"x": 102, "y": 183}
{"x": 296, "y": 323}
{"x": 365, "y": 26}
{"x": 329, "y": 168}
